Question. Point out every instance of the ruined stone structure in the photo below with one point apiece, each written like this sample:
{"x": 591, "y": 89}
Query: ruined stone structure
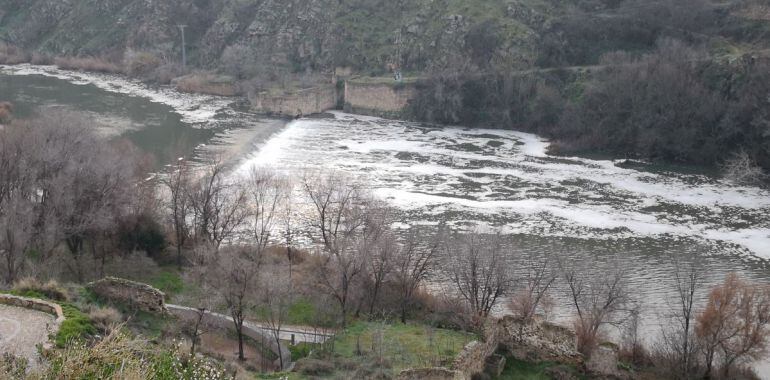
{"x": 545, "y": 340}
{"x": 384, "y": 99}
{"x": 604, "y": 361}
{"x": 541, "y": 339}
{"x": 296, "y": 103}
{"x": 137, "y": 295}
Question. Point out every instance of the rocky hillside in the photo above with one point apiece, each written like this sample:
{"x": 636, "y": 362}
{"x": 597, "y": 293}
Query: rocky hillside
{"x": 244, "y": 35}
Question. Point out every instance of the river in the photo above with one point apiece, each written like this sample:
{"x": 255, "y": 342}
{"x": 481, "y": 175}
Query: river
{"x": 604, "y": 212}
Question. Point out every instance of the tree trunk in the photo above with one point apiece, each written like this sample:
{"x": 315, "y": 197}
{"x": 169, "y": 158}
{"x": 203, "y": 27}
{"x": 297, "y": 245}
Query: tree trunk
{"x": 240, "y": 344}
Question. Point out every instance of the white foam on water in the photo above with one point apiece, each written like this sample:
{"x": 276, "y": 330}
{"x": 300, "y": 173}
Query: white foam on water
{"x": 429, "y": 170}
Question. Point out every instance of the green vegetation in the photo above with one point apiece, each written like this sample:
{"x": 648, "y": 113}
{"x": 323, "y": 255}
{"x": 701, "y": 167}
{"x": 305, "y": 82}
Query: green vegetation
{"x": 516, "y": 369}
{"x": 76, "y": 326}
{"x": 168, "y": 281}
{"x": 404, "y": 345}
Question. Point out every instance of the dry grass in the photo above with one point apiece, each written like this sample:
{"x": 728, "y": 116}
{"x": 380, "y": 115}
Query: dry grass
{"x": 105, "y": 319}
{"x": 92, "y": 64}
{"x": 32, "y": 286}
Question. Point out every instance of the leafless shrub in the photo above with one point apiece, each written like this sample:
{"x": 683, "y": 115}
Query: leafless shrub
{"x": 741, "y": 169}
{"x": 6, "y": 108}
{"x": 598, "y": 298}
{"x": 106, "y": 319}
{"x": 477, "y": 270}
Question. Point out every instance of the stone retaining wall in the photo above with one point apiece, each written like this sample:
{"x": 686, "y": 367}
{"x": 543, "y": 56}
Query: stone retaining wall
{"x": 298, "y": 103}
{"x": 34, "y": 304}
{"x": 135, "y": 294}
{"x": 378, "y": 99}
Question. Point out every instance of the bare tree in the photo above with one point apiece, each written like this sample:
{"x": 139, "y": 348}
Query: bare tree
{"x": 336, "y": 200}
{"x": 267, "y": 194}
{"x": 478, "y": 271}
{"x": 735, "y": 324}
{"x": 599, "y": 299}
{"x": 412, "y": 265}
{"x": 278, "y": 295}
{"x": 179, "y": 205}
{"x": 16, "y": 233}
{"x": 234, "y": 276}
{"x": 535, "y": 284}
{"x": 678, "y": 339}
{"x": 340, "y": 220}
{"x": 220, "y": 205}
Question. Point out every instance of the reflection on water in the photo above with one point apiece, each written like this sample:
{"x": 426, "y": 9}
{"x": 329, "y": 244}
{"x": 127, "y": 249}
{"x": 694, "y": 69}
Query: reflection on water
{"x": 160, "y": 121}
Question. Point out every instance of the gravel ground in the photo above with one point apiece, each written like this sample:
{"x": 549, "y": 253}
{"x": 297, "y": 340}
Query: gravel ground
{"x": 21, "y": 330}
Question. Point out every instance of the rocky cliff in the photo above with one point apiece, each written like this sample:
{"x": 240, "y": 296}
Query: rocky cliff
{"x": 371, "y": 36}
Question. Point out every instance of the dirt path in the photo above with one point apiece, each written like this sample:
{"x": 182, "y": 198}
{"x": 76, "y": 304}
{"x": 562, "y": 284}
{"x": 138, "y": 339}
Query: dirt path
{"x": 21, "y": 330}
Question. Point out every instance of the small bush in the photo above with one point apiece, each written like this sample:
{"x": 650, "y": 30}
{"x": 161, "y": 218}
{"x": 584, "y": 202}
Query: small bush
{"x": 105, "y": 319}
{"x": 6, "y": 109}
{"x": 31, "y": 287}
{"x": 301, "y": 350}
{"x": 314, "y": 367}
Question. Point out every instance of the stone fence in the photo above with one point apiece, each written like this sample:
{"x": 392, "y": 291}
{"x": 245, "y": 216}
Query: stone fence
{"x": 135, "y": 294}
{"x": 34, "y": 304}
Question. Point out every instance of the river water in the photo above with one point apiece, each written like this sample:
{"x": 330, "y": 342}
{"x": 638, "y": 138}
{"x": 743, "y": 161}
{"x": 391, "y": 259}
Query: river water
{"x": 602, "y": 212}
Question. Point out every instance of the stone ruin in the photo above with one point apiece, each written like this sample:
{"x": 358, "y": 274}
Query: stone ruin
{"x": 134, "y": 294}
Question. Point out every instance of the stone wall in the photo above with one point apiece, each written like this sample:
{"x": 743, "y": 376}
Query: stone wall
{"x": 34, "y": 304}
{"x": 140, "y": 296}
{"x": 297, "y": 103}
{"x": 437, "y": 373}
{"x": 378, "y": 99}
{"x": 546, "y": 340}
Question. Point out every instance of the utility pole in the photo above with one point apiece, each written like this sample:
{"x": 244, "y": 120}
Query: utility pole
{"x": 184, "y": 48}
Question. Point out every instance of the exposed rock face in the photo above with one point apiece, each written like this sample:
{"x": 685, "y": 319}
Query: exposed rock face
{"x": 140, "y": 296}
{"x": 312, "y": 35}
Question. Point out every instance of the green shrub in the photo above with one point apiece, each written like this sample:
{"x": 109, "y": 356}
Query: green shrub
{"x": 76, "y": 327}
{"x": 301, "y": 350}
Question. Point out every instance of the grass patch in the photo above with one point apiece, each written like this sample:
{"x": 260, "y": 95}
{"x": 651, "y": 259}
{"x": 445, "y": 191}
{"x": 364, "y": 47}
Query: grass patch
{"x": 405, "y": 345}
{"x": 169, "y": 282}
{"x": 76, "y": 326}
{"x": 516, "y": 369}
